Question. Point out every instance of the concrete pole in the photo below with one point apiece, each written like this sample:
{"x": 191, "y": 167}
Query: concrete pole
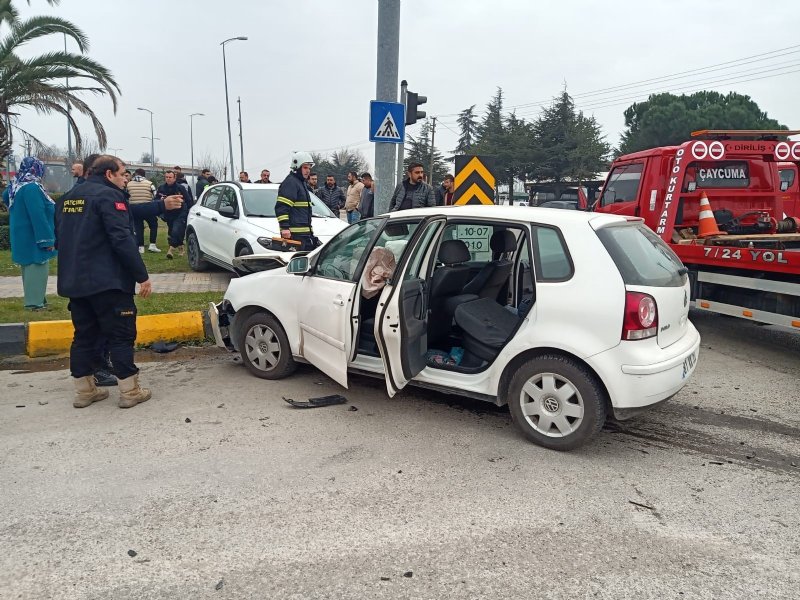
{"x": 386, "y": 91}
{"x": 433, "y": 138}
{"x": 241, "y": 140}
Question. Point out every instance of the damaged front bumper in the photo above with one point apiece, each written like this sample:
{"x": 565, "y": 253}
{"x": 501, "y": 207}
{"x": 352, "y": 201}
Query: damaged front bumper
{"x": 220, "y": 315}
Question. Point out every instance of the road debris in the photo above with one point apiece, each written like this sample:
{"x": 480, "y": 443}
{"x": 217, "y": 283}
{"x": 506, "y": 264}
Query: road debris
{"x": 331, "y": 400}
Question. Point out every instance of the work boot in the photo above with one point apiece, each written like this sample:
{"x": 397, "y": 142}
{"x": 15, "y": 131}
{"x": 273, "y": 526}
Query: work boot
{"x": 131, "y": 393}
{"x": 103, "y": 378}
{"x": 86, "y": 392}
{"x": 153, "y": 248}
{"x": 181, "y": 250}
{"x": 169, "y": 252}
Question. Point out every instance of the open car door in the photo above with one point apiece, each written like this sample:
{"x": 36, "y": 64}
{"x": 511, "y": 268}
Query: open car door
{"x": 401, "y": 324}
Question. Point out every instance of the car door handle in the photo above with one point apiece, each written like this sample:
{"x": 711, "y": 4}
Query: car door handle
{"x": 214, "y": 219}
{"x": 338, "y": 301}
{"x": 197, "y": 213}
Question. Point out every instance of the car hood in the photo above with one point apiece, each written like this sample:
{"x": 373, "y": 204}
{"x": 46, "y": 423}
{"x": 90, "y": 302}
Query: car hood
{"x": 324, "y": 227}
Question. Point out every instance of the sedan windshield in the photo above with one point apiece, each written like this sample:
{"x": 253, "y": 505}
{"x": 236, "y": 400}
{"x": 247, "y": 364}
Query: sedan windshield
{"x": 261, "y": 203}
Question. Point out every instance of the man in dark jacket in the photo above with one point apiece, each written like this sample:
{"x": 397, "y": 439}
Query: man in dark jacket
{"x": 412, "y": 192}
{"x": 293, "y": 207}
{"x": 98, "y": 268}
{"x": 180, "y": 178}
{"x": 367, "y": 196}
{"x": 176, "y": 219}
{"x": 332, "y": 195}
{"x": 202, "y": 182}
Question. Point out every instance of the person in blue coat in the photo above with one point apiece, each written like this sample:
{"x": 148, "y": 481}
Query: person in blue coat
{"x": 32, "y": 227}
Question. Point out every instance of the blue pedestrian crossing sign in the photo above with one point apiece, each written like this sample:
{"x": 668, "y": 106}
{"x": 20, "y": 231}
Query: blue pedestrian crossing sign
{"x": 387, "y": 122}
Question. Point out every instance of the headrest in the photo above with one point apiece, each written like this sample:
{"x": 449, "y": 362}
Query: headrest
{"x": 453, "y": 252}
{"x": 503, "y": 241}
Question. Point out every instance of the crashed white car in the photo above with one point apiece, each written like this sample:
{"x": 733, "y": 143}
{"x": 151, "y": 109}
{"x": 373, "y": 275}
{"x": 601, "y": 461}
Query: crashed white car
{"x": 233, "y": 219}
{"x": 565, "y": 316}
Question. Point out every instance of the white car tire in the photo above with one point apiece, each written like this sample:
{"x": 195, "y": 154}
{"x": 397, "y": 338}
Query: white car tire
{"x": 556, "y": 402}
{"x": 265, "y": 348}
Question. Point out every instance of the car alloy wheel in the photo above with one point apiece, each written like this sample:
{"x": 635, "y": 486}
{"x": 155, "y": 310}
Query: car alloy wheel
{"x": 557, "y": 402}
{"x": 193, "y": 252}
{"x": 265, "y": 348}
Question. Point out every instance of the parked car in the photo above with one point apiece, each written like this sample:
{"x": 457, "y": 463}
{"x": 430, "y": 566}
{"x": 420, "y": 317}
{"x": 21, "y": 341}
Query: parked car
{"x": 236, "y": 219}
{"x": 565, "y": 316}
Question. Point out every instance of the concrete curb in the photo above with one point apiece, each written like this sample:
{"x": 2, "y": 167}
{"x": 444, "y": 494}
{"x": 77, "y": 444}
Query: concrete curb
{"x": 45, "y": 338}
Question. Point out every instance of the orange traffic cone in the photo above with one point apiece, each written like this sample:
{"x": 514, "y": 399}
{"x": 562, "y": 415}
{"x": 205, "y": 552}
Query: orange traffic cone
{"x": 708, "y": 224}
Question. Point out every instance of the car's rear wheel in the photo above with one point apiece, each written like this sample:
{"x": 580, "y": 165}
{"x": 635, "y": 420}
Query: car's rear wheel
{"x": 194, "y": 254}
{"x": 265, "y": 348}
{"x": 556, "y": 402}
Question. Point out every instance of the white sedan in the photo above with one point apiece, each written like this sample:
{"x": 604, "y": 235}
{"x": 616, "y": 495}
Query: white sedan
{"x": 234, "y": 219}
{"x": 565, "y": 316}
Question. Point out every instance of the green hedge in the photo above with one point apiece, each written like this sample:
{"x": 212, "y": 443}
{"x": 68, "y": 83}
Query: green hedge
{"x": 5, "y": 239}
{"x": 3, "y": 218}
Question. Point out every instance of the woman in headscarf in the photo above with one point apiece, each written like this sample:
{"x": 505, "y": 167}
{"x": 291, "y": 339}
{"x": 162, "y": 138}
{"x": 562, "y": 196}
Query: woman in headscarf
{"x": 32, "y": 225}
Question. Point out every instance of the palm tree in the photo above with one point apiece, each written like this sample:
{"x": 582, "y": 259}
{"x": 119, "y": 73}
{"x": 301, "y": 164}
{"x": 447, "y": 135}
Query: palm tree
{"x": 39, "y": 82}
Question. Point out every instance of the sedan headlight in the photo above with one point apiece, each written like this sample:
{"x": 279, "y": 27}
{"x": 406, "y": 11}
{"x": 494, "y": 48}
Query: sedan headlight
{"x": 266, "y": 242}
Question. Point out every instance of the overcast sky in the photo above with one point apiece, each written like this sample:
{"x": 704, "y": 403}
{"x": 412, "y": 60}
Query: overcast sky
{"x": 308, "y": 71}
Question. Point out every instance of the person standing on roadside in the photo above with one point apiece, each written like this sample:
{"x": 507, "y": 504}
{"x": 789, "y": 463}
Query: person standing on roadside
{"x": 202, "y": 183}
{"x": 244, "y": 177}
{"x": 353, "y": 198}
{"x": 332, "y": 195}
{"x": 176, "y": 219}
{"x": 31, "y": 213}
{"x": 367, "y": 196}
{"x": 180, "y": 178}
{"x": 412, "y": 192}
{"x": 264, "y": 177}
{"x": 98, "y": 269}
{"x": 445, "y": 193}
{"x": 293, "y": 207}
{"x": 312, "y": 183}
{"x": 77, "y": 172}
{"x": 142, "y": 190}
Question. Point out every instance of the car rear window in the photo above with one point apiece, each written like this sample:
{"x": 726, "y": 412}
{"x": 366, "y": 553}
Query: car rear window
{"x": 642, "y": 257}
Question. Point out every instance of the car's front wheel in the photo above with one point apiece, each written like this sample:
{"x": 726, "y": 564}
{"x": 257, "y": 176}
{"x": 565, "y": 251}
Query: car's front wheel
{"x": 195, "y": 256}
{"x": 556, "y": 402}
{"x": 265, "y": 348}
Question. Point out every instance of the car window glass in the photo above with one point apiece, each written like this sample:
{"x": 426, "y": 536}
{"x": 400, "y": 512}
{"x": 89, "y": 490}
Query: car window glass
{"x": 552, "y": 260}
{"x": 642, "y": 257}
{"x": 395, "y": 236}
{"x": 416, "y": 262}
{"x": 211, "y": 199}
{"x": 623, "y": 184}
{"x": 227, "y": 198}
{"x": 340, "y": 257}
{"x": 319, "y": 208}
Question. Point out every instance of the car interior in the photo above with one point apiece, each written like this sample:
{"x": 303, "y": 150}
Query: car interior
{"x": 479, "y": 289}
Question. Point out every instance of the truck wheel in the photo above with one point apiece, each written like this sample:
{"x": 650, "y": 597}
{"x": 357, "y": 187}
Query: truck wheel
{"x": 265, "y": 348}
{"x": 556, "y": 402}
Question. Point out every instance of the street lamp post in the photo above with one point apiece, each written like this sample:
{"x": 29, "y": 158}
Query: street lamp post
{"x": 116, "y": 151}
{"x": 152, "y": 148}
{"x": 227, "y": 104}
{"x": 191, "y": 138}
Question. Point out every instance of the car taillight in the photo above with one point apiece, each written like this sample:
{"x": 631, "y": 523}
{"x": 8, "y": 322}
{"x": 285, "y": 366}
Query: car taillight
{"x": 641, "y": 317}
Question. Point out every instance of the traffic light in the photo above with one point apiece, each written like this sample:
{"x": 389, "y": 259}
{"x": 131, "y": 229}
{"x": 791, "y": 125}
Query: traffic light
{"x": 413, "y": 100}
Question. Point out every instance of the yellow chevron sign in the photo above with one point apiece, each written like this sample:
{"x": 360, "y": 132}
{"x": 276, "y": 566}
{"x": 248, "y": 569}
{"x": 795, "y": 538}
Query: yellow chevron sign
{"x": 474, "y": 181}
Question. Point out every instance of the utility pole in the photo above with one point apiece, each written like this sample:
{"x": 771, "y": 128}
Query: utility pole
{"x": 386, "y": 90}
{"x": 69, "y": 126}
{"x": 401, "y": 148}
{"x": 241, "y": 141}
{"x": 433, "y": 137}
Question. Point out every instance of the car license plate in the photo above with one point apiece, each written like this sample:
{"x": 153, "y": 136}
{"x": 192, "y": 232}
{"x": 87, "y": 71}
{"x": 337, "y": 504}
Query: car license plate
{"x": 688, "y": 364}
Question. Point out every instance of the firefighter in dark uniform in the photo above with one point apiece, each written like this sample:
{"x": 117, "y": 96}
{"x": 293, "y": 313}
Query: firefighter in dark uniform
{"x": 293, "y": 207}
{"x": 98, "y": 268}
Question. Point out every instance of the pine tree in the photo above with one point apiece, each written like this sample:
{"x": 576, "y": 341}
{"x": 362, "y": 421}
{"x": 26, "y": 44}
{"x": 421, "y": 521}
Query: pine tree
{"x": 418, "y": 149}
{"x": 468, "y": 126}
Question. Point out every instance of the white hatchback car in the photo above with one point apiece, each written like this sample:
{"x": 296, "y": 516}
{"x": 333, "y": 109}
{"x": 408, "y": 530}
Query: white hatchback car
{"x": 234, "y": 219}
{"x": 565, "y": 316}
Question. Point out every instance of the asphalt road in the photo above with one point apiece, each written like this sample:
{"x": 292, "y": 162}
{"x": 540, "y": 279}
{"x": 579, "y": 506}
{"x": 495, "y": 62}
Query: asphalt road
{"x": 217, "y": 488}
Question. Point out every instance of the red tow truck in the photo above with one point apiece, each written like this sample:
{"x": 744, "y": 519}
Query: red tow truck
{"x": 751, "y": 268}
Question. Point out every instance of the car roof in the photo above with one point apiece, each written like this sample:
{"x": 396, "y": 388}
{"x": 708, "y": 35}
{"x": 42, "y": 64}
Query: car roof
{"x": 547, "y": 216}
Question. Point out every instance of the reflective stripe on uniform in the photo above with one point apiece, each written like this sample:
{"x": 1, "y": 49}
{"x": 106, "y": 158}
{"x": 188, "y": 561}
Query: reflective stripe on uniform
{"x": 300, "y": 229}
{"x": 285, "y": 201}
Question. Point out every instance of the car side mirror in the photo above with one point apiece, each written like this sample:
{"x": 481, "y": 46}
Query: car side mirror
{"x": 227, "y": 211}
{"x": 299, "y": 265}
